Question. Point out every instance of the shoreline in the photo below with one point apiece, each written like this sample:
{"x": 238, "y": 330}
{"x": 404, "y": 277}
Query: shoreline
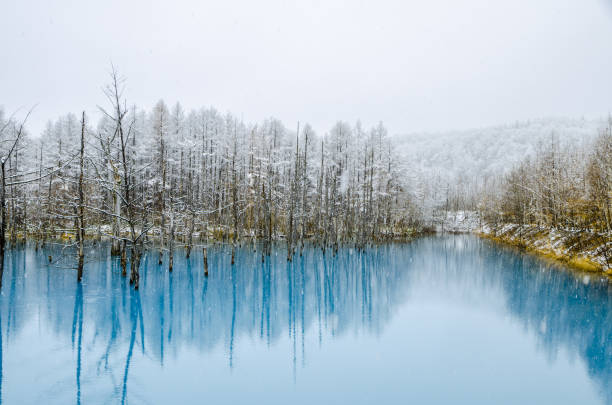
{"x": 590, "y": 253}
{"x": 212, "y": 238}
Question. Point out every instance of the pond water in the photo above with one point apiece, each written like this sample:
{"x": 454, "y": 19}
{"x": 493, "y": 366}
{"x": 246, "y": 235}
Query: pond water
{"x": 446, "y": 319}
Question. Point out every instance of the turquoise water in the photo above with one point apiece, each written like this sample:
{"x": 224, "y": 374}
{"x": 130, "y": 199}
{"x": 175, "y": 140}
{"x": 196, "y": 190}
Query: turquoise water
{"x": 443, "y": 320}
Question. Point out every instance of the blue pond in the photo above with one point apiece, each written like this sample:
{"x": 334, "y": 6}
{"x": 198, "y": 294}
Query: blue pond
{"x": 446, "y": 319}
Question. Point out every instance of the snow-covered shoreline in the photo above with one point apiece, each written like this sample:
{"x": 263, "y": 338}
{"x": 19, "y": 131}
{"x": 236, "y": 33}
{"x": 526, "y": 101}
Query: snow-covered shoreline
{"x": 585, "y": 250}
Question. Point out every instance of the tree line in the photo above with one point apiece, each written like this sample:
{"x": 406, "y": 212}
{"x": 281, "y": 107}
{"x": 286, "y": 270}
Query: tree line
{"x": 567, "y": 187}
{"x": 156, "y": 179}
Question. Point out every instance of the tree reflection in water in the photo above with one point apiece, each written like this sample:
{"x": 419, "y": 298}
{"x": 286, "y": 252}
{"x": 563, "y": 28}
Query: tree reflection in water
{"x": 109, "y": 324}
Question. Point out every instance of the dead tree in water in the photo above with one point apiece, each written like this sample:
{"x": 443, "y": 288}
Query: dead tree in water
{"x": 81, "y": 205}
{"x": 160, "y": 127}
{"x": 234, "y": 194}
{"x": 2, "y": 218}
{"x": 266, "y": 221}
{"x": 4, "y": 158}
{"x": 304, "y": 185}
{"x": 171, "y": 237}
{"x": 222, "y": 181}
{"x": 133, "y": 203}
{"x": 190, "y": 237}
{"x": 124, "y": 259}
{"x": 205, "y": 262}
{"x": 293, "y": 196}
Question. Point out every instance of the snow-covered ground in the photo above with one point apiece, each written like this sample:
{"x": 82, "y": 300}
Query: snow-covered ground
{"x": 571, "y": 245}
{"x": 459, "y": 222}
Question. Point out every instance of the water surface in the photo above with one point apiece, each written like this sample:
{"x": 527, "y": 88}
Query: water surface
{"x": 450, "y": 319}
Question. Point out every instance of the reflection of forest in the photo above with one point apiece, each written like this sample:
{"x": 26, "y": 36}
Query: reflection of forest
{"x": 325, "y": 294}
{"x": 560, "y": 307}
{"x": 330, "y": 293}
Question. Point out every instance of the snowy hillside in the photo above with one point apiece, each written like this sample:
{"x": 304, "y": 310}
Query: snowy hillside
{"x": 456, "y": 163}
{"x": 488, "y": 151}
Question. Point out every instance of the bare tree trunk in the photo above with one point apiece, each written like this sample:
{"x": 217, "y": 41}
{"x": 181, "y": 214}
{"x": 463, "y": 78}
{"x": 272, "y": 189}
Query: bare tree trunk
{"x": 234, "y": 196}
{"x": 304, "y": 186}
{"x": 13, "y": 228}
{"x": 2, "y": 220}
{"x": 293, "y": 195}
{"x": 205, "y": 258}
{"x": 290, "y": 225}
{"x": 116, "y": 243}
{"x": 134, "y": 265}
{"x": 162, "y": 207}
{"x": 81, "y": 213}
{"x": 171, "y": 238}
{"x": 162, "y": 227}
{"x": 124, "y": 259}
{"x": 191, "y": 230}
{"x": 266, "y": 213}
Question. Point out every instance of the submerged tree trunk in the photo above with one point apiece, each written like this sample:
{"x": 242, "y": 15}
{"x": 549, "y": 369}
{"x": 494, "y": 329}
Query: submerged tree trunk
{"x": 134, "y": 266}
{"x": 205, "y": 261}
{"x": 124, "y": 259}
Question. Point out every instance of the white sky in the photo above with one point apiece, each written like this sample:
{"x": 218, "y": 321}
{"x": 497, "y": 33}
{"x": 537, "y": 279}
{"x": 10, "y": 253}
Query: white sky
{"x": 416, "y": 65}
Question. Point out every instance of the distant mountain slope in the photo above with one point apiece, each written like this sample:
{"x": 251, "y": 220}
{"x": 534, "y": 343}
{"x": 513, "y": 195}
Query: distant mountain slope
{"x": 489, "y": 151}
{"x": 458, "y": 161}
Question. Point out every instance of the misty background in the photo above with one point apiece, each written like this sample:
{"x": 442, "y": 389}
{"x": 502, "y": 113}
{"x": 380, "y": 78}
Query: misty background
{"x": 416, "y": 66}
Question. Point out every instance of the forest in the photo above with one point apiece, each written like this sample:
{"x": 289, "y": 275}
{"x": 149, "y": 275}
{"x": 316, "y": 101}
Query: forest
{"x": 563, "y": 191}
{"x": 567, "y": 187}
{"x": 166, "y": 178}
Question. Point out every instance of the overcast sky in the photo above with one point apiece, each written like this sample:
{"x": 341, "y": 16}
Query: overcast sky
{"x": 415, "y": 65}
